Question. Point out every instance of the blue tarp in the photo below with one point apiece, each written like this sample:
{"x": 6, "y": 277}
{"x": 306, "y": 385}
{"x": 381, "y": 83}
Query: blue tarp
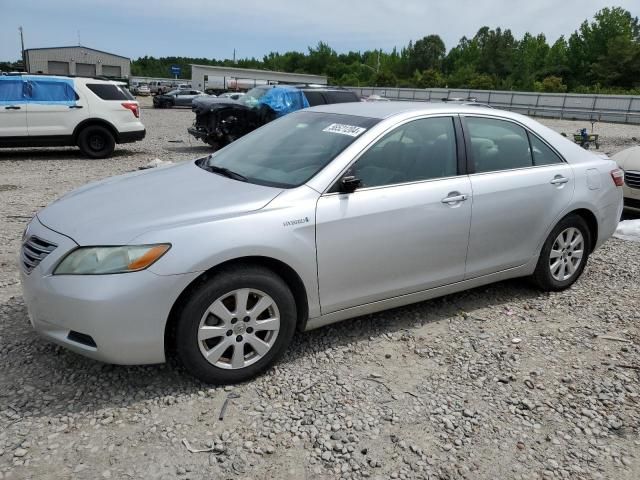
{"x": 284, "y": 100}
{"x": 51, "y": 90}
{"x": 11, "y": 90}
{"x": 37, "y": 89}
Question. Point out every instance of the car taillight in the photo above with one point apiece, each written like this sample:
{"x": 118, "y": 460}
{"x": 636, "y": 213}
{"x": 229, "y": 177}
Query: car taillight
{"x": 133, "y": 107}
{"x": 618, "y": 177}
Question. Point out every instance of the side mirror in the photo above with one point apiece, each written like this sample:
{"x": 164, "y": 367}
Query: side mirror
{"x": 349, "y": 184}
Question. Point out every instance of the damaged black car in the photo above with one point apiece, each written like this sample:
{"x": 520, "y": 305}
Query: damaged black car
{"x": 220, "y": 121}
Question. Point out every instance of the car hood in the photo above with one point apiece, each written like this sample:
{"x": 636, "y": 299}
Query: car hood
{"x": 628, "y": 159}
{"x": 206, "y": 104}
{"x": 117, "y": 210}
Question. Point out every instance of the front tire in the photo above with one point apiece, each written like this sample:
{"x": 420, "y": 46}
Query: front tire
{"x": 96, "y": 142}
{"x": 236, "y": 325}
{"x": 564, "y": 255}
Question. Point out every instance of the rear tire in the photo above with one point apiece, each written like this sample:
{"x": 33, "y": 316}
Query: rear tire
{"x": 96, "y": 142}
{"x": 220, "y": 336}
{"x": 564, "y": 255}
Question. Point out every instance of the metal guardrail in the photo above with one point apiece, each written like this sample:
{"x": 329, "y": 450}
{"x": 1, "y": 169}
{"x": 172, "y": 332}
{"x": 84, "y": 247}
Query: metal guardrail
{"x": 567, "y": 106}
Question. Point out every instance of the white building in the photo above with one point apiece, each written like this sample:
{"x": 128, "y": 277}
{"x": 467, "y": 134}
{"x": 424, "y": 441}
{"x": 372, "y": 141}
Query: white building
{"x": 226, "y": 78}
{"x": 78, "y": 60}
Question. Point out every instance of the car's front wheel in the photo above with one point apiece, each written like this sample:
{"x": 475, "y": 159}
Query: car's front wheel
{"x": 564, "y": 254}
{"x": 96, "y": 142}
{"x": 236, "y": 325}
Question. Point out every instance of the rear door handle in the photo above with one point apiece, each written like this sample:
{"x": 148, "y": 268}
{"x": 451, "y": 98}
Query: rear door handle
{"x": 12, "y": 107}
{"x": 75, "y": 106}
{"x": 455, "y": 198}
{"x": 559, "y": 180}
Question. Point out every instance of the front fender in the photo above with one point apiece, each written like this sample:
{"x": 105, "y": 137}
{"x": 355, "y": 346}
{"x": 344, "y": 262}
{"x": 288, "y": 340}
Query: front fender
{"x": 283, "y": 234}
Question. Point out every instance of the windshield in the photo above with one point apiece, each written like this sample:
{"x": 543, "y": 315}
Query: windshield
{"x": 250, "y": 99}
{"x": 288, "y": 152}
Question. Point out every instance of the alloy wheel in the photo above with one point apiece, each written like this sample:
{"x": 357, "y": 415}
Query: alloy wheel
{"x": 566, "y": 254}
{"x": 239, "y": 328}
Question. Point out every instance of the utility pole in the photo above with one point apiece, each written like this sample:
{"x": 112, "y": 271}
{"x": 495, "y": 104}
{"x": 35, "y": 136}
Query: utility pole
{"x": 378, "y": 66}
{"x": 234, "y": 56}
{"x": 24, "y": 58}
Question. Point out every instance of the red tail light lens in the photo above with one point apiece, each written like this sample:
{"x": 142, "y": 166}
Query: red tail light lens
{"x": 618, "y": 177}
{"x": 133, "y": 107}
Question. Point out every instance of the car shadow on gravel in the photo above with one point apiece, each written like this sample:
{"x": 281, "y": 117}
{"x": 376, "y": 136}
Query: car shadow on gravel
{"x": 40, "y": 378}
{"x": 196, "y": 149}
{"x": 63, "y": 153}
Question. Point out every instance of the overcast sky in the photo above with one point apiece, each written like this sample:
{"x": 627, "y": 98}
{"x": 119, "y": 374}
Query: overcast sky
{"x": 212, "y": 29}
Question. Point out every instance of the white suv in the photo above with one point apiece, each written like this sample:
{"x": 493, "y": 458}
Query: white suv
{"x": 44, "y": 110}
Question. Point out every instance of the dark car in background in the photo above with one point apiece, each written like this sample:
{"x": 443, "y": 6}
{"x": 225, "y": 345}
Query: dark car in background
{"x": 220, "y": 121}
{"x": 176, "y": 98}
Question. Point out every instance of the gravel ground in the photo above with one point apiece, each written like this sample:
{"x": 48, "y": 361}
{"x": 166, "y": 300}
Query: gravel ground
{"x": 497, "y": 382}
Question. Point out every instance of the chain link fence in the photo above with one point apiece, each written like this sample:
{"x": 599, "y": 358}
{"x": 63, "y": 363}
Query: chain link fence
{"x": 568, "y": 106}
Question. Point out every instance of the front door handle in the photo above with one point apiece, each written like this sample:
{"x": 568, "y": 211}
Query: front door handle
{"x": 12, "y": 107}
{"x": 75, "y": 106}
{"x": 455, "y": 198}
{"x": 559, "y": 180}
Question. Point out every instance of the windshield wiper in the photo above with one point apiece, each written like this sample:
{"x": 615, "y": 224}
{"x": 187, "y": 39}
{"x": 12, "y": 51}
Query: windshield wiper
{"x": 225, "y": 172}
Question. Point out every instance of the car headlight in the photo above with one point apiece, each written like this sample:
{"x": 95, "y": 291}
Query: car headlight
{"x": 105, "y": 260}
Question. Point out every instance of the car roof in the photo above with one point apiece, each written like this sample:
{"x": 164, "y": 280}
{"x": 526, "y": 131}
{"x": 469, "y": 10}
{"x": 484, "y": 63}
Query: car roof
{"x": 48, "y": 76}
{"x": 383, "y": 110}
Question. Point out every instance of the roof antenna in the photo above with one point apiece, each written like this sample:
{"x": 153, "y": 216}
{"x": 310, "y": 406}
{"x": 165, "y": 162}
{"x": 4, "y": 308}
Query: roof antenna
{"x": 79, "y": 44}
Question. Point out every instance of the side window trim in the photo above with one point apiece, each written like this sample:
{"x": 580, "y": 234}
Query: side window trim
{"x": 470, "y": 164}
{"x": 461, "y": 156}
{"x": 540, "y": 139}
{"x": 461, "y": 150}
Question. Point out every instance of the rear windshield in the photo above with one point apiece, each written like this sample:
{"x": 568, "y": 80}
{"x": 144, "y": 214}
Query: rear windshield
{"x": 107, "y": 91}
{"x": 289, "y": 151}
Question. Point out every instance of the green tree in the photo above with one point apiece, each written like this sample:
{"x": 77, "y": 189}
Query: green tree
{"x": 591, "y": 43}
{"x": 482, "y": 81}
{"x": 550, "y": 84}
{"x": 427, "y": 53}
{"x": 431, "y": 78}
{"x": 529, "y": 60}
{"x": 385, "y": 79}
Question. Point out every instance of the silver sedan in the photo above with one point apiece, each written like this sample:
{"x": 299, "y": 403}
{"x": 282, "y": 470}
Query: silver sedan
{"x": 325, "y": 214}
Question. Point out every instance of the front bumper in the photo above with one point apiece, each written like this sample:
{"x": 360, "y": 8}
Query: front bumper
{"x": 198, "y": 133}
{"x": 631, "y": 198}
{"x": 124, "y": 315}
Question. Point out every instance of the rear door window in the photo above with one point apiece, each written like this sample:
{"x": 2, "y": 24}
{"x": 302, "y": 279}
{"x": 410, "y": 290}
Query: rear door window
{"x": 314, "y": 98}
{"x": 107, "y": 91}
{"x": 341, "y": 97}
{"x": 48, "y": 90}
{"x": 498, "y": 145}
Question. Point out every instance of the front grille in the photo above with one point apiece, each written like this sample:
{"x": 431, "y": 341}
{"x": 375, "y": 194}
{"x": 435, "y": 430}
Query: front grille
{"x": 632, "y": 179}
{"x": 632, "y": 203}
{"x": 34, "y": 250}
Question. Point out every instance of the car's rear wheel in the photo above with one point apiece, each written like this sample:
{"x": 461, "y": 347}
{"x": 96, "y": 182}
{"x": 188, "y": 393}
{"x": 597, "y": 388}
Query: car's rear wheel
{"x": 564, "y": 254}
{"x": 236, "y": 325}
{"x": 96, "y": 141}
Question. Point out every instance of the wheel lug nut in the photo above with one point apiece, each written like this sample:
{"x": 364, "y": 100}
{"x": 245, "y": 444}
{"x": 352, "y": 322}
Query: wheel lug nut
{"x": 239, "y": 338}
{"x": 234, "y": 321}
{"x": 229, "y": 333}
{"x": 246, "y": 319}
{"x": 249, "y": 330}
